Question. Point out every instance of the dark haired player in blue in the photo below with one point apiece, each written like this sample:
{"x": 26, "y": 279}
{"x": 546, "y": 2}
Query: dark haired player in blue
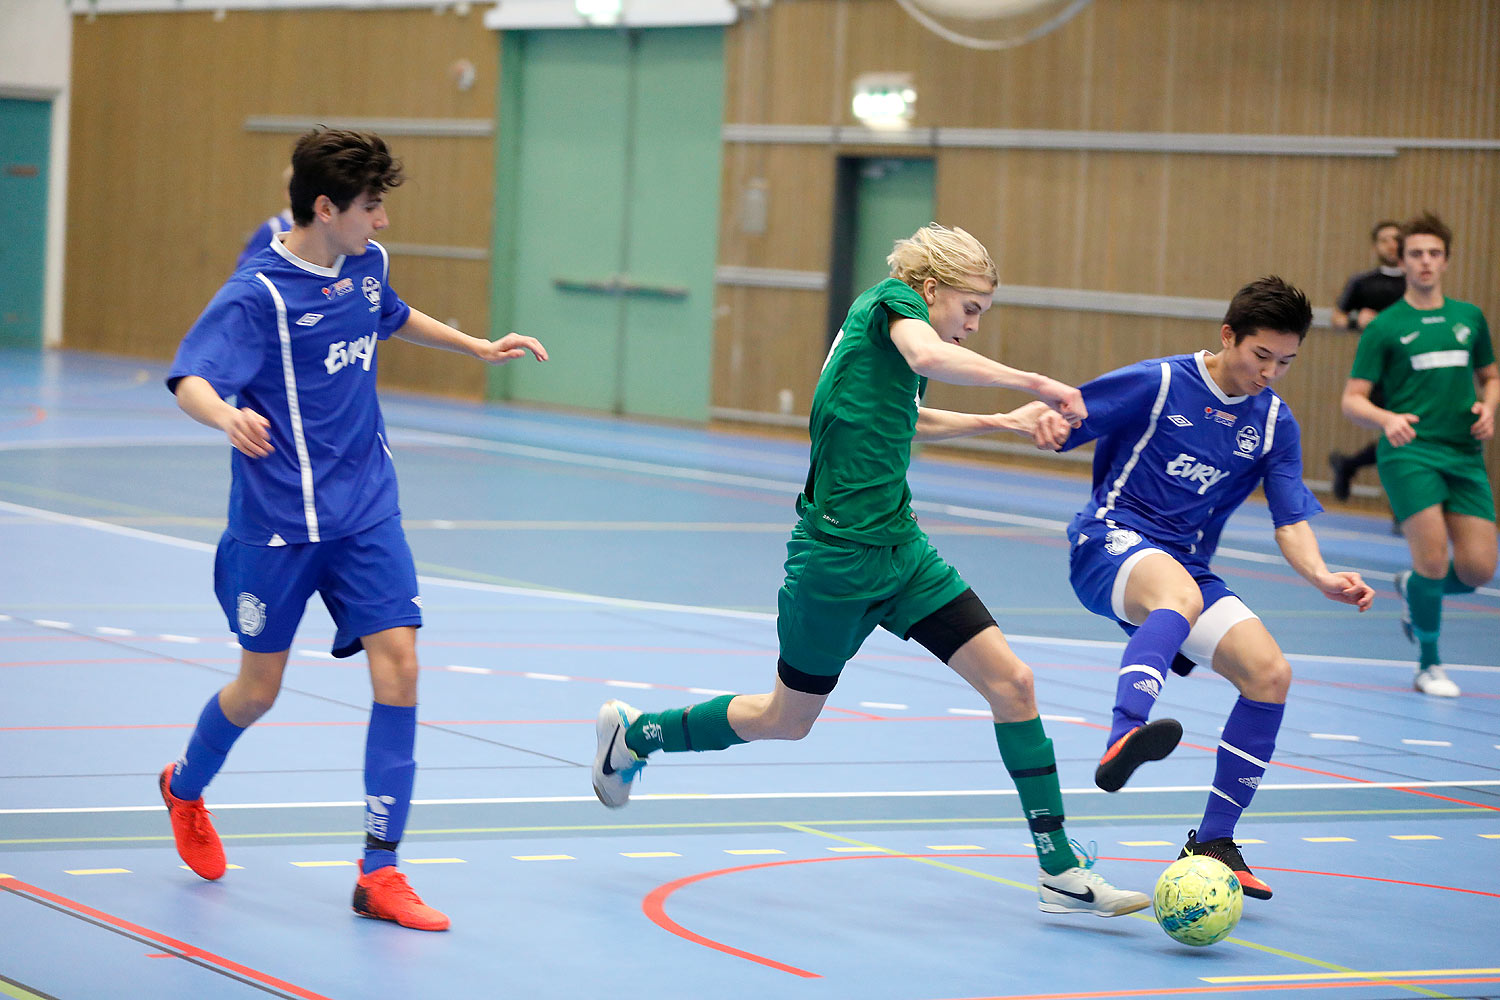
{"x": 312, "y": 497}
{"x": 1180, "y": 443}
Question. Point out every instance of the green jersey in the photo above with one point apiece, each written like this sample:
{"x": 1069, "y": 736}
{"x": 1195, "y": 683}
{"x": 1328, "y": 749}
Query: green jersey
{"x": 864, "y": 414}
{"x": 1423, "y": 361}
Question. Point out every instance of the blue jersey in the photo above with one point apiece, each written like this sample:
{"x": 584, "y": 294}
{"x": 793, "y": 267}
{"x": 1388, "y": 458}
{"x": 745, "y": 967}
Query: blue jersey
{"x": 296, "y": 343}
{"x": 261, "y": 238}
{"x": 1176, "y": 456}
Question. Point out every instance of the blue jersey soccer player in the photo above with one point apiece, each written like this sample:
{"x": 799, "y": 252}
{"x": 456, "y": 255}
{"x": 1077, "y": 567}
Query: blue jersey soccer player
{"x": 1180, "y": 443}
{"x": 312, "y": 496}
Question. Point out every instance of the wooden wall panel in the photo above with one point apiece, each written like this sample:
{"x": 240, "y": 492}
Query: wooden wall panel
{"x": 165, "y": 182}
{"x": 754, "y": 359}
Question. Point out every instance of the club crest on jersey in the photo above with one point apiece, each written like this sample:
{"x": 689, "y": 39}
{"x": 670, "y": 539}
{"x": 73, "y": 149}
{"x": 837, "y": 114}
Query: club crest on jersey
{"x": 250, "y": 612}
{"x": 341, "y": 287}
{"x": 1462, "y": 332}
{"x": 1219, "y": 416}
{"x": 1186, "y": 466}
{"x": 1120, "y": 540}
{"x": 1247, "y": 439}
{"x": 371, "y": 287}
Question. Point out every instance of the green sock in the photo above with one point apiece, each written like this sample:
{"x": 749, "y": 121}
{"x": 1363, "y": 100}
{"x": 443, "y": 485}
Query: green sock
{"x": 1424, "y": 598}
{"x": 1453, "y": 585}
{"x": 1032, "y": 765}
{"x": 704, "y": 726}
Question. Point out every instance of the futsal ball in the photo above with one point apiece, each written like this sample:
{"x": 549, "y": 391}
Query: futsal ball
{"x": 1198, "y": 900}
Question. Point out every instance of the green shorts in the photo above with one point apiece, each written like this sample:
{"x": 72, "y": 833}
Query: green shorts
{"x": 837, "y": 591}
{"x": 1421, "y": 475}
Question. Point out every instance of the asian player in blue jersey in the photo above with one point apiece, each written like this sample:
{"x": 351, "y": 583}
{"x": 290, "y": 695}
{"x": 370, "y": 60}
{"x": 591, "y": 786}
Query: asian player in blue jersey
{"x": 1180, "y": 442}
{"x": 312, "y": 497}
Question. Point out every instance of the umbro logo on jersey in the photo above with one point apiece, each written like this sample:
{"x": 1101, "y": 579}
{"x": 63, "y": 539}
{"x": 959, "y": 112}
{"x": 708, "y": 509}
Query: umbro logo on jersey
{"x": 1179, "y": 420}
{"x": 1410, "y": 337}
{"x": 309, "y": 319}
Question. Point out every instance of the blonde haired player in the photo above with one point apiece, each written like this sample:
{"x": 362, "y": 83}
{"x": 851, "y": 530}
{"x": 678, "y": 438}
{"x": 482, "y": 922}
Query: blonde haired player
{"x": 858, "y": 559}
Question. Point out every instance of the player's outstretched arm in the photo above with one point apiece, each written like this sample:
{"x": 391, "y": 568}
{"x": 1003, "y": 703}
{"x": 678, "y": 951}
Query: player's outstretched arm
{"x": 932, "y": 356}
{"x": 1358, "y": 407}
{"x": 422, "y": 329}
{"x": 1035, "y": 421}
{"x": 248, "y": 431}
{"x": 1299, "y": 546}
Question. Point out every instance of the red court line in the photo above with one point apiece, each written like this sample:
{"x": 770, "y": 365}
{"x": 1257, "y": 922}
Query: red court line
{"x": 1248, "y": 988}
{"x": 654, "y": 906}
{"x": 182, "y": 948}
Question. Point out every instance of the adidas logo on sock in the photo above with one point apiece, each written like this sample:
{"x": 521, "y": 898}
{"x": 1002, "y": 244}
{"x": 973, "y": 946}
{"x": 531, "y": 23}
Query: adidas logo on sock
{"x": 1150, "y": 686}
{"x": 1253, "y": 782}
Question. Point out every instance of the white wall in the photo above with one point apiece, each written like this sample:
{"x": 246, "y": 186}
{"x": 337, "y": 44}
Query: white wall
{"x": 36, "y": 47}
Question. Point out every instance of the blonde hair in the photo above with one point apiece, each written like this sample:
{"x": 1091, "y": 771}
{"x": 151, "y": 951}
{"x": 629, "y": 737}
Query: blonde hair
{"x": 952, "y": 256}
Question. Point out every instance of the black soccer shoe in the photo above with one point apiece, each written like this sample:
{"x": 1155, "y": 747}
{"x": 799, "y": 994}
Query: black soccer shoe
{"x": 1153, "y": 741}
{"x": 1226, "y": 850}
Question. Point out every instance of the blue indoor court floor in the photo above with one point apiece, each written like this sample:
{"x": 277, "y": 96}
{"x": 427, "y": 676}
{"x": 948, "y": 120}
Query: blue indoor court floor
{"x": 568, "y": 559}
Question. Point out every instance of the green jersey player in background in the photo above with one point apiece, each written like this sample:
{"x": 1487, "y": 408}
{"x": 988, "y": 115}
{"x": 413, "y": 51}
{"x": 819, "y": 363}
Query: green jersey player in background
{"x": 1425, "y": 354}
{"x": 857, "y": 558}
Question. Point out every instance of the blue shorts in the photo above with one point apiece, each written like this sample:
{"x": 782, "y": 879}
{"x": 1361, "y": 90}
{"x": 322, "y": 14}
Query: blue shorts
{"x": 368, "y": 582}
{"x": 1099, "y": 559}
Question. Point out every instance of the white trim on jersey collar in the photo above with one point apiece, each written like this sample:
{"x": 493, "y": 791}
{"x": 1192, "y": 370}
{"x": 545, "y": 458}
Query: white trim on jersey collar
{"x": 1213, "y": 386}
{"x": 278, "y": 243}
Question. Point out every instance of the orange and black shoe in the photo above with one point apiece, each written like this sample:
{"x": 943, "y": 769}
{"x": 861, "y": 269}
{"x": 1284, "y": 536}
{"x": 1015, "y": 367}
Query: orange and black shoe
{"x": 1227, "y": 851}
{"x": 197, "y": 841}
{"x": 384, "y": 894}
{"x": 1153, "y": 741}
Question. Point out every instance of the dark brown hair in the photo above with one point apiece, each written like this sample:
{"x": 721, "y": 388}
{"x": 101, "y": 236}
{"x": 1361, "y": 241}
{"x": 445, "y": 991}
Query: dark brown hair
{"x": 1269, "y": 303}
{"x": 1425, "y": 224}
{"x": 342, "y": 165}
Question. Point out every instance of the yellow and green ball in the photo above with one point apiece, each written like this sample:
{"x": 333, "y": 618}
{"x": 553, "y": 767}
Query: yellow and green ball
{"x": 1198, "y": 900}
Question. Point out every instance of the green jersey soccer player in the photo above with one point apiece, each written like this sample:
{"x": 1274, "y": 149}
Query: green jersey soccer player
{"x": 857, "y": 558}
{"x": 1425, "y": 354}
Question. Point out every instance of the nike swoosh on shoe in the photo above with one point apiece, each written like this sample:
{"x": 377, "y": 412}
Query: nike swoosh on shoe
{"x": 607, "y": 767}
{"x": 1086, "y": 896}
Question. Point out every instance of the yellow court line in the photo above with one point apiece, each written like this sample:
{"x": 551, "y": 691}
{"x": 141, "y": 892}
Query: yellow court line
{"x": 1392, "y": 974}
{"x": 1490, "y": 836}
{"x": 96, "y": 871}
{"x": 1031, "y": 887}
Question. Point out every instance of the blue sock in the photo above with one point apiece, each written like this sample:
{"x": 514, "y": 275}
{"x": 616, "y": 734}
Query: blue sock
{"x": 1244, "y": 753}
{"x": 390, "y": 772}
{"x": 1143, "y": 669}
{"x": 205, "y": 753}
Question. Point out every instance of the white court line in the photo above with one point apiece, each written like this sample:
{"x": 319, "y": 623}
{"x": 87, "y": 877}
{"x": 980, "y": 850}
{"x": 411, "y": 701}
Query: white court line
{"x": 622, "y": 602}
{"x": 1428, "y": 743}
{"x": 734, "y": 796}
{"x": 1340, "y": 737}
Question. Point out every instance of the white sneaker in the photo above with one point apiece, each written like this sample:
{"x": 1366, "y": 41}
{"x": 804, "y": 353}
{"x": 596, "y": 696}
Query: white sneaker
{"x": 1434, "y": 681}
{"x": 1083, "y": 890}
{"x": 615, "y": 764}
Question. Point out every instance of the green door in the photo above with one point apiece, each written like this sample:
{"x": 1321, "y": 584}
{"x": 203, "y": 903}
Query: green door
{"x": 610, "y": 190}
{"x": 893, "y": 199}
{"x": 25, "y": 135}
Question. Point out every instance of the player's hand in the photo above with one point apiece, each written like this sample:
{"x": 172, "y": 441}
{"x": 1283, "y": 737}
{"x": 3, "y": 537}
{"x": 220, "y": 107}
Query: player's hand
{"x": 1398, "y": 430}
{"x": 1365, "y": 315}
{"x": 1063, "y": 398}
{"x": 250, "y": 433}
{"x": 1348, "y": 588}
{"x": 1050, "y": 431}
{"x": 1483, "y": 427}
{"x": 510, "y": 347}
